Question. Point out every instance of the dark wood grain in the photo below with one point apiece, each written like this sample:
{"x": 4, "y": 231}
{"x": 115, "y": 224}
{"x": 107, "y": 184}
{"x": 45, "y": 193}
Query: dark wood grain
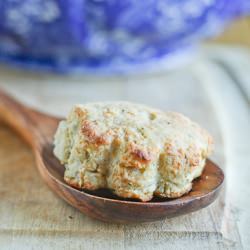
{"x": 38, "y": 130}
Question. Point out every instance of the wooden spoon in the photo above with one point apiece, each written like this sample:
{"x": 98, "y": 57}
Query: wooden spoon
{"x": 38, "y": 130}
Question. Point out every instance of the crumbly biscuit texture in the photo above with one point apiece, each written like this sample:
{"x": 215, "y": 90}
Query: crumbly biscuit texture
{"x": 133, "y": 150}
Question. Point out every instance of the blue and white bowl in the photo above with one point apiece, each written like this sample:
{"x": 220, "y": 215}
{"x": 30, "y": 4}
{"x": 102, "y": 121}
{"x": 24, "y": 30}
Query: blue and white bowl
{"x": 108, "y": 36}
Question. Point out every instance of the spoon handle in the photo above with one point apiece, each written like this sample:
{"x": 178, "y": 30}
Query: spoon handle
{"x": 36, "y": 128}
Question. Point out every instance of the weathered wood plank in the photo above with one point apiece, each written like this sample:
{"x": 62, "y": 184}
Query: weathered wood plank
{"x": 233, "y": 108}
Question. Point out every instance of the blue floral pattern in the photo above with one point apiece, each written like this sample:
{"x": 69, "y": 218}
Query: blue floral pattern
{"x": 107, "y": 35}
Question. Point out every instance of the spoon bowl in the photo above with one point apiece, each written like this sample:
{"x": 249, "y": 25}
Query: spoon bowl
{"x": 38, "y": 130}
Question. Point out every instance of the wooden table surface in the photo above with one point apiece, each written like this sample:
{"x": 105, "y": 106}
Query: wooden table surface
{"x": 32, "y": 217}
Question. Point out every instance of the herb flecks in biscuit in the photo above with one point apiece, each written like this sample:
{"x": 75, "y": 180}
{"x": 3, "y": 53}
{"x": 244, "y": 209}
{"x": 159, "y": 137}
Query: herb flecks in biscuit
{"x": 133, "y": 150}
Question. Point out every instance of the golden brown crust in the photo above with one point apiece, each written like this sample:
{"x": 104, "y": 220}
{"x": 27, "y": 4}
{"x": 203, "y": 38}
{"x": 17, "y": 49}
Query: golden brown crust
{"x": 80, "y": 113}
{"x": 72, "y": 183}
{"x": 131, "y": 149}
{"x": 89, "y": 131}
{"x": 141, "y": 154}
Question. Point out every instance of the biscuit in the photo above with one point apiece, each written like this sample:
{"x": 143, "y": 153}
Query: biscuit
{"x": 133, "y": 150}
